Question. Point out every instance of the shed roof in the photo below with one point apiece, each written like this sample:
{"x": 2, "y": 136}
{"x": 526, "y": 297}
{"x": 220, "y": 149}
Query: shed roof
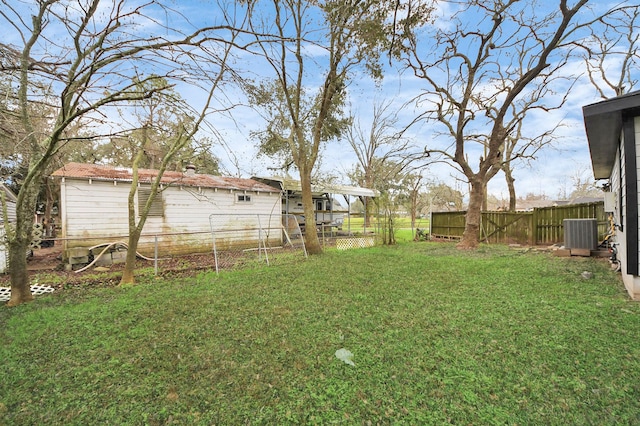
{"x": 11, "y": 197}
{"x": 11, "y": 200}
{"x": 295, "y": 186}
{"x": 122, "y": 174}
{"x": 603, "y": 123}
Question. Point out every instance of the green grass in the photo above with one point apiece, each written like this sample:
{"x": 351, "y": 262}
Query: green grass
{"x": 496, "y": 336}
{"x": 402, "y": 227}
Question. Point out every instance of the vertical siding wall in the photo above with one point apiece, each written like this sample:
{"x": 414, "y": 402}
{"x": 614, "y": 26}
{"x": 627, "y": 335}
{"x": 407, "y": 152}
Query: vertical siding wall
{"x": 636, "y": 125}
{"x": 96, "y": 212}
{"x": 619, "y": 186}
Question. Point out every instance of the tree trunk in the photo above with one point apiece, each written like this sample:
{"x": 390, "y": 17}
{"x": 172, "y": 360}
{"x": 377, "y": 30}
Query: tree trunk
{"x": 512, "y": 188}
{"x": 128, "y": 274}
{"x": 368, "y": 201}
{"x": 390, "y": 238}
{"x": 19, "y": 240}
{"x": 311, "y": 235}
{"x": 471, "y": 237}
{"x": 47, "y": 228}
{"x": 20, "y": 289}
{"x": 368, "y": 205}
{"x": 485, "y": 202}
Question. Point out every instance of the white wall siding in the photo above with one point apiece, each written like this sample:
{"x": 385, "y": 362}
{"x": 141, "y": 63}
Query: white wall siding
{"x": 4, "y": 253}
{"x": 96, "y": 209}
{"x": 99, "y": 210}
{"x": 11, "y": 211}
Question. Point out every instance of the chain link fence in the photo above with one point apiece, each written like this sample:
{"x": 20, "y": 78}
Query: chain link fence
{"x": 232, "y": 241}
{"x": 242, "y": 239}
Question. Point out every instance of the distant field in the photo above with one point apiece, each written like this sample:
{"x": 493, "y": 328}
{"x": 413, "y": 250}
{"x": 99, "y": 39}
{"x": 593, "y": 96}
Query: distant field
{"x": 403, "y": 222}
{"x": 402, "y": 226}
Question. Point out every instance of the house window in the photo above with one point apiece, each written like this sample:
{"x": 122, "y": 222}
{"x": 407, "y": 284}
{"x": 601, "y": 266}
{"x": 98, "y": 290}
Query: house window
{"x": 243, "y": 198}
{"x": 157, "y": 206}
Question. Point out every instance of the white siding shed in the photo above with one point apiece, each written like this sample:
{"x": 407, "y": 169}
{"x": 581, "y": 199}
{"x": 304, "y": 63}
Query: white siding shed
{"x": 94, "y": 207}
{"x": 10, "y": 199}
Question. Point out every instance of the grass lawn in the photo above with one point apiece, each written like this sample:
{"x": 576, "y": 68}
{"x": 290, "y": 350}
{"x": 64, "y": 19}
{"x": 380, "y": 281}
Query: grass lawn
{"x": 496, "y": 336}
{"x": 402, "y": 226}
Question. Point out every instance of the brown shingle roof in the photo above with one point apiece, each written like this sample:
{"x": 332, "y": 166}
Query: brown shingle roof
{"x": 122, "y": 174}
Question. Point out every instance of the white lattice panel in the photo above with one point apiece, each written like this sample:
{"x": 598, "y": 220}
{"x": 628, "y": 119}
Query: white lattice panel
{"x": 356, "y": 242}
{"x": 5, "y": 292}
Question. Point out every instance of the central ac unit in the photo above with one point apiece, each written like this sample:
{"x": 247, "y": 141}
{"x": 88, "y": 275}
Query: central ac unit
{"x": 580, "y": 233}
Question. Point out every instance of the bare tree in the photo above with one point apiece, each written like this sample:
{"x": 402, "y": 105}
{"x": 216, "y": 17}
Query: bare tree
{"x": 382, "y": 151}
{"x": 87, "y": 55}
{"x": 176, "y": 129}
{"x": 521, "y": 146}
{"x": 415, "y": 185}
{"x": 442, "y": 197}
{"x": 488, "y": 61}
{"x": 330, "y": 39}
{"x": 582, "y": 184}
{"x": 155, "y": 121}
{"x": 612, "y": 56}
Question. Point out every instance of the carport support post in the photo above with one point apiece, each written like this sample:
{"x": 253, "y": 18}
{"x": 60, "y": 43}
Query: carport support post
{"x": 364, "y": 223}
{"x": 331, "y": 199}
{"x": 348, "y": 198}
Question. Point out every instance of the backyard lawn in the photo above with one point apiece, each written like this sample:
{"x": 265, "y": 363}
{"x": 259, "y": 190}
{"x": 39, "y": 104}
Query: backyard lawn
{"x": 495, "y": 336}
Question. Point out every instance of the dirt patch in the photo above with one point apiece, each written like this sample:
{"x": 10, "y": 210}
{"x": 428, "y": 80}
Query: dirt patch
{"x": 46, "y": 268}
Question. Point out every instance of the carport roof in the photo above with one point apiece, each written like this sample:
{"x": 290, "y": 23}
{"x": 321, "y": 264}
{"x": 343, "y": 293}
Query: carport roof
{"x": 9, "y": 193}
{"x": 295, "y": 186}
{"x": 603, "y": 123}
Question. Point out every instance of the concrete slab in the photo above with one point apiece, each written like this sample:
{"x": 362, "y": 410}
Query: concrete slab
{"x": 562, "y": 253}
{"x": 580, "y": 252}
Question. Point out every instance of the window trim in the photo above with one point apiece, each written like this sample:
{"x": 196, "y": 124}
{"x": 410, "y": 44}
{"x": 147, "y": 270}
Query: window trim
{"x": 244, "y": 199}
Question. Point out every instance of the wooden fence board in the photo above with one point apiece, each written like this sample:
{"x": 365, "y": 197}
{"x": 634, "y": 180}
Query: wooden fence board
{"x": 506, "y": 227}
{"x": 448, "y": 224}
{"x": 540, "y": 226}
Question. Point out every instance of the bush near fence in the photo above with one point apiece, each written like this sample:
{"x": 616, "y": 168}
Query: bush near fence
{"x": 538, "y": 227}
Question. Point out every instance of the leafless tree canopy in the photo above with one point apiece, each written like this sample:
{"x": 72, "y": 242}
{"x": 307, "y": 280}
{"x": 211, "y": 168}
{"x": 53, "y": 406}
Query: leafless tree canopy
{"x": 494, "y": 63}
{"x": 78, "y": 58}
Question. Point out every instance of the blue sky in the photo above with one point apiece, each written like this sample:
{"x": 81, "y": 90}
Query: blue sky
{"x": 550, "y": 174}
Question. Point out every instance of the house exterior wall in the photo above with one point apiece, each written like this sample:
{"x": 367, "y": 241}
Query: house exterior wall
{"x": 11, "y": 212}
{"x": 618, "y": 186}
{"x": 4, "y": 249}
{"x": 95, "y": 212}
{"x": 4, "y": 253}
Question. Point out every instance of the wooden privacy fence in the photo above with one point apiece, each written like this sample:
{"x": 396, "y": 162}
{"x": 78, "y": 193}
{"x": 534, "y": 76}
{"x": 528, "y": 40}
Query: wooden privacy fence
{"x": 541, "y": 226}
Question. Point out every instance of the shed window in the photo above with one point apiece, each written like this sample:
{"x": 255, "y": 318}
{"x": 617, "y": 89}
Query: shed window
{"x": 243, "y": 198}
{"x": 157, "y": 206}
